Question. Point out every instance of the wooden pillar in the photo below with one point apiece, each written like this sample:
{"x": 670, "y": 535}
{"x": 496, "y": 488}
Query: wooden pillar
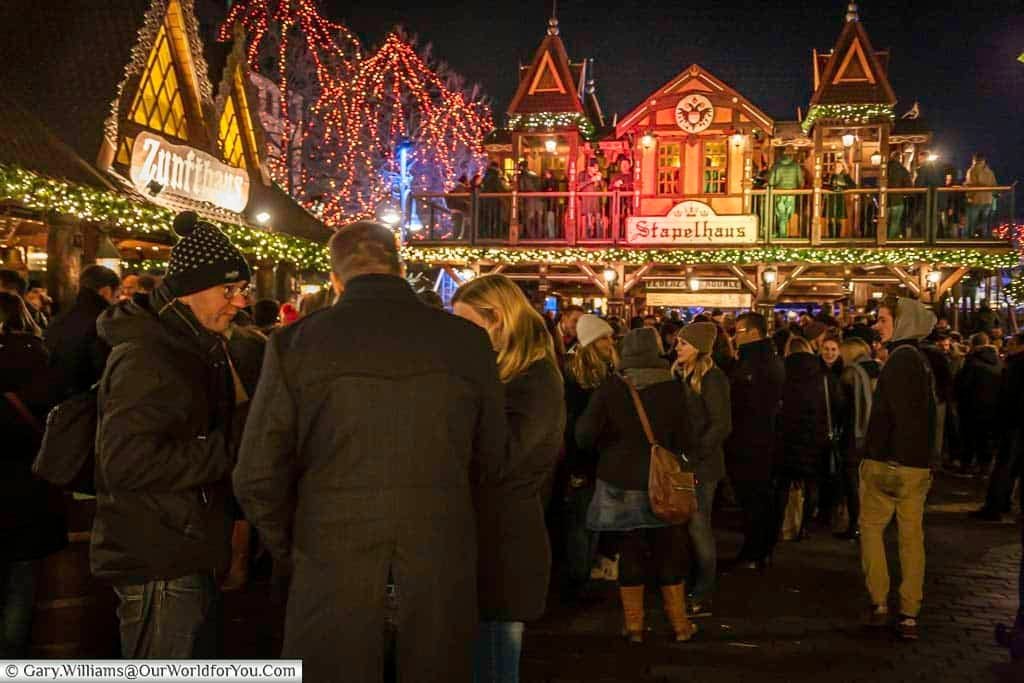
{"x": 284, "y": 281}
{"x": 264, "y": 277}
{"x": 816, "y": 204}
{"x": 882, "y": 233}
{"x": 90, "y": 243}
{"x": 63, "y": 261}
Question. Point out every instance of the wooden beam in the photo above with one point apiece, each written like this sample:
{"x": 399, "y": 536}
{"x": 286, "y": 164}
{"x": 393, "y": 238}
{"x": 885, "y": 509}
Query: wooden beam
{"x": 950, "y": 282}
{"x": 906, "y": 279}
{"x": 790, "y": 279}
{"x": 453, "y": 274}
{"x": 597, "y": 280}
{"x": 497, "y": 269}
{"x": 741, "y": 275}
{"x": 637, "y": 277}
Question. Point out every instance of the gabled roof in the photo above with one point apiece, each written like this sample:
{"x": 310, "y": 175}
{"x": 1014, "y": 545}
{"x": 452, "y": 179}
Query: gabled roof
{"x": 548, "y": 85}
{"x": 853, "y": 73}
{"x": 26, "y": 142}
{"x": 708, "y": 82}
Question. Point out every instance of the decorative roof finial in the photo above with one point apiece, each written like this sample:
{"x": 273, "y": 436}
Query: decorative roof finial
{"x": 851, "y": 12}
{"x": 553, "y": 21}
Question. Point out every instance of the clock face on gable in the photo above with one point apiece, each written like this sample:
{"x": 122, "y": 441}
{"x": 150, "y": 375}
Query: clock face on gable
{"x": 694, "y": 113}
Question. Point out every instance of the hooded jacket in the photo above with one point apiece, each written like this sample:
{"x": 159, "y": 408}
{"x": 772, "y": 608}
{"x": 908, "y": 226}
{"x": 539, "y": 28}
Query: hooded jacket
{"x": 164, "y": 446}
{"x": 756, "y": 393}
{"x": 977, "y": 385}
{"x": 803, "y": 419}
{"x": 903, "y": 413}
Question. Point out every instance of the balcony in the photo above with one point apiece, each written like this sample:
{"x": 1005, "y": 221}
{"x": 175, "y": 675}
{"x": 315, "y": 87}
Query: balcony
{"x": 866, "y": 217}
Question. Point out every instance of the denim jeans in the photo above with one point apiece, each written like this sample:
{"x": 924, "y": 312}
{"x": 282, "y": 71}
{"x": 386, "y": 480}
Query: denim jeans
{"x": 17, "y": 601}
{"x": 704, "y": 566}
{"x": 170, "y": 619}
{"x": 498, "y": 647}
{"x": 580, "y": 542}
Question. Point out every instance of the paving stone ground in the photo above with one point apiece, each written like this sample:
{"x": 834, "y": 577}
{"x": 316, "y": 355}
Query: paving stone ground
{"x": 799, "y": 621}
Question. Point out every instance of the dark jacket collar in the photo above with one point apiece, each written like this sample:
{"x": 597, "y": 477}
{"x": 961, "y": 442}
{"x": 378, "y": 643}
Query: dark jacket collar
{"x": 893, "y": 345}
{"x": 377, "y": 287}
{"x": 90, "y": 300}
{"x": 762, "y": 349}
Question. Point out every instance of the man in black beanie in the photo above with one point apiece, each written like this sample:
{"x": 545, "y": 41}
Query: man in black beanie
{"x": 170, "y": 416}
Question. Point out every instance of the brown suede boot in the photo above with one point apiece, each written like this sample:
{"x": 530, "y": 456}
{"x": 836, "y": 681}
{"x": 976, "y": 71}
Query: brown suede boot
{"x": 674, "y": 598}
{"x": 633, "y": 611}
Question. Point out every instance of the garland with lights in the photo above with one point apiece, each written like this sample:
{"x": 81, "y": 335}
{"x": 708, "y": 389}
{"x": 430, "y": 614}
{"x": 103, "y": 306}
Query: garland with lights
{"x": 1014, "y": 291}
{"x": 972, "y": 258}
{"x": 848, "y": 113}
{"x": 550, "y": 121}
{"x": 118, "y": 211}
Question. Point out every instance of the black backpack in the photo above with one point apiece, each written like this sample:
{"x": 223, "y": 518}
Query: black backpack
{"x": 67, "y": 456}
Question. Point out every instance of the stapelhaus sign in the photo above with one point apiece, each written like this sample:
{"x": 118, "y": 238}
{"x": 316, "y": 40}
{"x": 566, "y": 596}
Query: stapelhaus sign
{"x": 691, "y": 223}
{"x": 187, "y": 173}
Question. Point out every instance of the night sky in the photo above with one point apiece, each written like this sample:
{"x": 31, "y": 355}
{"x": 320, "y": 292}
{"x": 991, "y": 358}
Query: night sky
{"x": 959, "y": 60}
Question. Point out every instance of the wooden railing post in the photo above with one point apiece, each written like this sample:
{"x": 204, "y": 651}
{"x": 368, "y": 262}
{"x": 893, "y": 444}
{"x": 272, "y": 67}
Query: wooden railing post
{"x": 615, "y": 217}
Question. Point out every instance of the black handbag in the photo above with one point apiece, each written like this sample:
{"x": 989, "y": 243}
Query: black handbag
{"x": 67, "y": 456}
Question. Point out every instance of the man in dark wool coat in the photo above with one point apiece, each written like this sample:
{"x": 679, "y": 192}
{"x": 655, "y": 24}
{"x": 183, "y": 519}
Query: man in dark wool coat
{"x": 368, "y": 420}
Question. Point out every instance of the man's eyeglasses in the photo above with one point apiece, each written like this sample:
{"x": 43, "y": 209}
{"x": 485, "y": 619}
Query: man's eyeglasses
{"x": 231, "y": 291}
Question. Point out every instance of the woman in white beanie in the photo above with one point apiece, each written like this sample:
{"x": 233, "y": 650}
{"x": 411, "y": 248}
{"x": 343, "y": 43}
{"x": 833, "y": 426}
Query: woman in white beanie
{"x": 593, "y": 360}
{"x": 708, "y": 405}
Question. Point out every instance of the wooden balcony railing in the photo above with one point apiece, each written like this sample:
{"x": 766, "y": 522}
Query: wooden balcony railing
{"x": 912, "y": 216}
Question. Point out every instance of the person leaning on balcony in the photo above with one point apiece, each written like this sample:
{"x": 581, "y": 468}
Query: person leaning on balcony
{"x": 899, "y": 177}
{"x": 835, "y": 204}
{"x": 979, "y": 204}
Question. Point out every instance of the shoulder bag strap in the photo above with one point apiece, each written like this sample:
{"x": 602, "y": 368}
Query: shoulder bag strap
{"x": 828, "y": 408}
{"x": 23, "y": 412}
{"x": 641, "y": 413}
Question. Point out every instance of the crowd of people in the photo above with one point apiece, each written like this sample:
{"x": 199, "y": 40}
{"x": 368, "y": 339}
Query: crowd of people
{"x": 379, "y": 439}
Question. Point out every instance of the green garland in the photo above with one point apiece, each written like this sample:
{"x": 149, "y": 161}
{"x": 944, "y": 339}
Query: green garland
{"x": 849, "y": 113}
{"x": 973, "y": 258}
{"x": 551, "y": 120}
{"x": 1014, "y": 291}
{"x": 46, "y": 194}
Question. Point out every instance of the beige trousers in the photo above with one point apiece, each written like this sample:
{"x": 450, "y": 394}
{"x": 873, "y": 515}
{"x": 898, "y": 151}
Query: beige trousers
{"x": 887, "y": 489}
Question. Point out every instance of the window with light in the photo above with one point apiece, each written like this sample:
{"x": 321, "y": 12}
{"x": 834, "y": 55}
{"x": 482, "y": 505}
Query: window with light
{"x": 716, "y": 162}
{"x": 669, "y": 166}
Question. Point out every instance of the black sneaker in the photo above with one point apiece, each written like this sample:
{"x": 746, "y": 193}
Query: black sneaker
{"x": 906, "y": 627}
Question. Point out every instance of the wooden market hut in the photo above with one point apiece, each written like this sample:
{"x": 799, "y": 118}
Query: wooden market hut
{"x": 134, "y": 116}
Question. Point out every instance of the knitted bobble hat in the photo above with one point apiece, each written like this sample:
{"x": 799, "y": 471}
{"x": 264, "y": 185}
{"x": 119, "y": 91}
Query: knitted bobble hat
{"x": 700, "y": 336}
{"x": 203, "y": 258}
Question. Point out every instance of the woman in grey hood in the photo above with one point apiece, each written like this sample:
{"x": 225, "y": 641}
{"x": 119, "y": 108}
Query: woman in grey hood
{"x": 621, "y": 507}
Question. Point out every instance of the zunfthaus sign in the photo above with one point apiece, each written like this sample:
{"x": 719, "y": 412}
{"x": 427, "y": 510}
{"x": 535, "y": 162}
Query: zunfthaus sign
{"x": 187, "y": 173}
{"x": 691, "y": 223}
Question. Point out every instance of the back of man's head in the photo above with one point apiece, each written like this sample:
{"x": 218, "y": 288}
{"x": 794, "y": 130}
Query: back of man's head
{"x": 11, "y": 281}
{"x": 754, "y": 321}
{"x": 979, "y": 339}
{"x": 364, "y": 248}
{"x": 146, "y": 283}
{"x": 96, "y": 277}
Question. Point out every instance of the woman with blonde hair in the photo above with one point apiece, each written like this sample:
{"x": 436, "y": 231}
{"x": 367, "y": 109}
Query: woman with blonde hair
{"x": 588, "y": 368}
{"x": 514, "y": 556}
{"x": 709, "y": 409}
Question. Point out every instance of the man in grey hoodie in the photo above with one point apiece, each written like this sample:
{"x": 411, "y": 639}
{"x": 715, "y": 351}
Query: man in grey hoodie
{"x": 900, "y": 451}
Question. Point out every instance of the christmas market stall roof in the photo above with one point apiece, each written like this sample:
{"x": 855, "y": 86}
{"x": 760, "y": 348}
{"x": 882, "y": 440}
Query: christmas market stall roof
{"x": 94, "y": 52}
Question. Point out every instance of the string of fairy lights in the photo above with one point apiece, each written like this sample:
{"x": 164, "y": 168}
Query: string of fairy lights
{"x": 848, "y": 113}
{"x": 135, "y": 219}
{"x": 550, "y": 121}
{"x": 365, "y": 106}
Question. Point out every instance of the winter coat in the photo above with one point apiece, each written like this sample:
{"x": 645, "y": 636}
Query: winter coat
{"x": 710, "y": 418}
{"x": 610, "y": 425}
{"x": 904, "y": 415}
{"x": 942, "y": 372}
{"x": 980, "y": 175}
{"x": 803, "y": 418}
{"x": 515, "y": 557}
{"x": 1011, "y": 392}
{"x": 77, "y": 354}
{"x": 368, "y": 422}
{"x": 756, "y": 395}
{"x": 977, "y": 386}
{"x": 31, "y": 511}
{"x": 165, "y": 445}
{"x": 578, "y": 461}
